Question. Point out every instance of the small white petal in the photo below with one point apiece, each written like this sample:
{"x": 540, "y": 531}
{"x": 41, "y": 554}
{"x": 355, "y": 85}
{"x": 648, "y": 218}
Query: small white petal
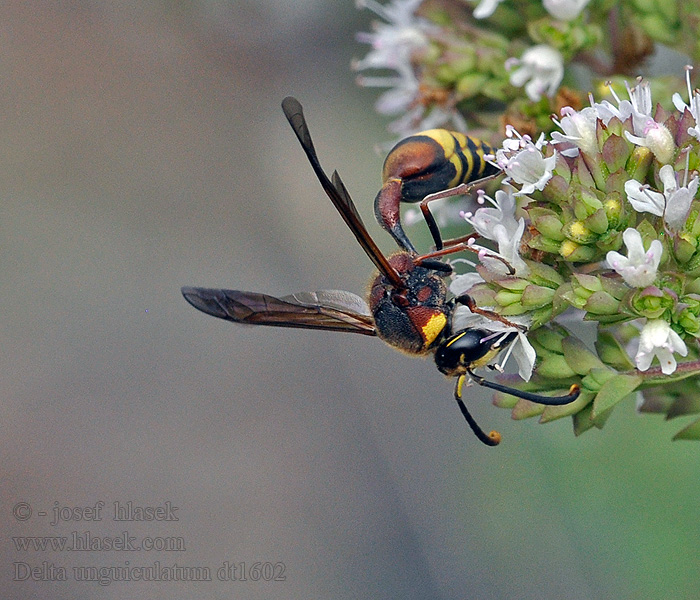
{"x": 643, "y": 199}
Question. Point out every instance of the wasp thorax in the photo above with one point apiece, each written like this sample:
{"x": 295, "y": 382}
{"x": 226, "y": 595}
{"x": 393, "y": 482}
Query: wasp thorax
{"x": 411, "y": 318}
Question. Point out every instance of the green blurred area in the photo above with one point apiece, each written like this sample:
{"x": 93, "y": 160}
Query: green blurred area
{"x": 144, "y": 149}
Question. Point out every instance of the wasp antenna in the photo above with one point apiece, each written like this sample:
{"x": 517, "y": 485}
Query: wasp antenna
{"x": 574, "y": 392}
{"x": 493, "y": 438}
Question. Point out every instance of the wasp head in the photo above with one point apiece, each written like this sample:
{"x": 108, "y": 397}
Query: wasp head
{"x": 469, "y": 349}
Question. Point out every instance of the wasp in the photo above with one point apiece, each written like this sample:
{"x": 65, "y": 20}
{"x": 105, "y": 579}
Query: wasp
{"x": 407, "y": 306}
{"x": 420, "y": 167}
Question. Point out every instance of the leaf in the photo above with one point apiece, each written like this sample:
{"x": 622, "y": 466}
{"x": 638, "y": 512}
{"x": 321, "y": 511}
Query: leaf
{"x": 612, "y": 353}
{"x": 552, "y": 413}
{"x": 579, "y": 358}
{"x": 582, "y": 420}
{"x": 614, "y": 390}
{"x": 690, "y": 432}
{"x": 525, "y": 409}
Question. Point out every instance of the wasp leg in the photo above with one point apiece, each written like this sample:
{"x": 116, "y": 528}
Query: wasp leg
{"x": 574, "y": 392}
{"x": 493, "y": 438}
{"x": 462, "y": 188}
{"x": 468, "y": 301}
{"x": 462, "y": 247}
{"x": 465, "y": 239}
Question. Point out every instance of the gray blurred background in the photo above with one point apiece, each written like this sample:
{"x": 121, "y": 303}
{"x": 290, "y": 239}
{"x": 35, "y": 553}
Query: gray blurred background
{"x": 143, "y": 148}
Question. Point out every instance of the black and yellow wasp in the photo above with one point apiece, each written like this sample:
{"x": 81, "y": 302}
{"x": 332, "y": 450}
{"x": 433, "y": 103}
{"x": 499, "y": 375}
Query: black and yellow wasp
{"x": 407, "y": 307}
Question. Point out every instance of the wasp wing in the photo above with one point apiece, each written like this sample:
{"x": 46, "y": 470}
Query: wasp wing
{"x": 330, "y": 310}
{"x": 337, "y": 193}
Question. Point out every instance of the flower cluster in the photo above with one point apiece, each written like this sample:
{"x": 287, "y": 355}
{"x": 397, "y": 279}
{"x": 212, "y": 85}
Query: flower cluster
{"x": 476, "y": 62}
{"x": 598, "y": 218}
{"x": 601, "y": 223}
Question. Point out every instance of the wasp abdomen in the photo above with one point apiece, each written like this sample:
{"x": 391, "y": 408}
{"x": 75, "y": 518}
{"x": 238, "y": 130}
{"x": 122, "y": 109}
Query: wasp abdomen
{"x": 426, "y": 163}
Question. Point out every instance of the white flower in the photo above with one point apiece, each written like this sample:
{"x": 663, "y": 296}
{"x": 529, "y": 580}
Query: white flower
{"x": 502, "y": 212}
{"x": 638, "y": 268}
{"x": 673, "y": 205}
{"x": 527, "y": 165}
{"x": 404, "y": 88}
{"x": 647, "y": 132}
{"x": 508, "y": 249}
{"x": 657, "y": 339}
{"x": 394, "y": 44}
{"x": 486, "y": 8}
{"x": 607, "y": 110}
{"x": 461, "y": 284}
{"x": 693, "y": 107}
{"x": 579, "y": 128}
{"x": 498, "y": 224}
{"x": 657, "y": 138}
{"x": 542, "y": 67}
{"x": 678, "y": 199}
{"x": 520, "y": 349}
{"x": 564, "y": 10}
{"x": 643, "y": 199}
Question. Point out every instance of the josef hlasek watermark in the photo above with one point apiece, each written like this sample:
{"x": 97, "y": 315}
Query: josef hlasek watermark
{"x": 77, "y": 529}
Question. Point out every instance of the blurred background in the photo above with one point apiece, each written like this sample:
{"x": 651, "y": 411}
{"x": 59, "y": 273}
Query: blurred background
{"x": 143, "y": 148}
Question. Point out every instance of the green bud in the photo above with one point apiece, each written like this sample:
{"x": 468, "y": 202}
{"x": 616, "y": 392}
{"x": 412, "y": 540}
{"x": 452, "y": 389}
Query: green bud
{"x": 544, "y": 244}
{"x": 590, "y": 283}
{"x": 611, "y": 352}
{"x": 597, "y": 222}
{"x": 651, "y": 302}
{"x": 542, "y": 274}
{"x": 601, "y": 303}
{"x": 573, "y": 252}
{"x": 524, "y": 409}
{"x": 582, "y": 173}
{"x": 616, "y": 152}
{"x": 547, "y": 340}
{"x": 555, "y": 366}
{"x": 547, "y": 222}
{"x": 536, "y": 296}
{"x": 579, "y": 358}
{"x": 506, "y": 298}
{"x": 578, "y": 232}
{"x": 638, "y": 163}
{"x": 684, "y": 246}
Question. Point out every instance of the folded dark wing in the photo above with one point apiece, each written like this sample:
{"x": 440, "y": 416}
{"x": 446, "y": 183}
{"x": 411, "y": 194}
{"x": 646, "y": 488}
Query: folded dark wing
{"x": 330, "y": 310}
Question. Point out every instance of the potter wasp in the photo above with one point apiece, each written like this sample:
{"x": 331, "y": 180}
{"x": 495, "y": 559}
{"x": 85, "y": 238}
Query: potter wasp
{"x": 407, "y": 307}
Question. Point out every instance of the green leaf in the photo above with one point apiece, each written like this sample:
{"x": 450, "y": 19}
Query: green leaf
{"x": 690, "y": 432}
{"x": 614, "y": 390}
{"x": 525, "y": 409}
{"x": 582, "y": 420}
{"x": 551, "y": 413}
{"x": 612, "y": 353}
{"x": 555, "y": 366}
{"x": 579, "y": 358}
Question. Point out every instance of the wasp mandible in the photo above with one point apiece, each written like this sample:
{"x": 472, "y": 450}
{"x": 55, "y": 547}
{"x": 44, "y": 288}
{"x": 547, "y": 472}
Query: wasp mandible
{"x": 408, "y": 305}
